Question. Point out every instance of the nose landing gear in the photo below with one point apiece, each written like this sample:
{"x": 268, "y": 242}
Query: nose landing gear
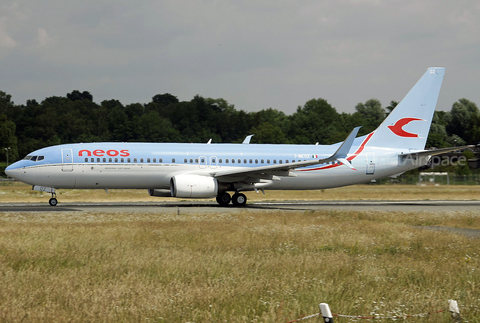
{"x": 53, "y": 201}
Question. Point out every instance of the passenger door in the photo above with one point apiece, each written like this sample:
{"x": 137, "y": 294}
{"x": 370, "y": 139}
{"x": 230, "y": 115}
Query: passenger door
{"x": 67, "y": 160}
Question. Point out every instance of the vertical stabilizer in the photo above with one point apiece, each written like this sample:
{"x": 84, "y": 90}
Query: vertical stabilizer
{"x": 407, "y": 126}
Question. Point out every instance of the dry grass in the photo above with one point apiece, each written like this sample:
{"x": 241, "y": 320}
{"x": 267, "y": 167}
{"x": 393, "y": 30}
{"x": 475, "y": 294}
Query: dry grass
{"x": 18, "y": 192}
{"x": 262, "y": 266}
{"x": 250, "y": 266}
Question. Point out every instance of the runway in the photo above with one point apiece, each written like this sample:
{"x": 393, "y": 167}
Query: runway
{"x": 212, "y": 207}
{"x": 209, "y": 207}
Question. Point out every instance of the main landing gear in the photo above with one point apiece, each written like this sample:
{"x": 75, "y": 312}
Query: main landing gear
{"x": 238, "y": 199}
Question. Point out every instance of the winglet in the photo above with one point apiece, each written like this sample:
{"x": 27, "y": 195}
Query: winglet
{"x": 342, "y": 151}
{"x": 344, "y": 148}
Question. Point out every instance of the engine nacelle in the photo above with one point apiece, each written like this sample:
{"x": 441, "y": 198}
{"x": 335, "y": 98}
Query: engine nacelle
{"x": 193, "y": 186}
{"x": 159, "y": 192}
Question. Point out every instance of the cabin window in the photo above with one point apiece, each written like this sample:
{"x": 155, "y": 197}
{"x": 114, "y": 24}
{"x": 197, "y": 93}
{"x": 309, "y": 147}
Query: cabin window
{"x": 196, "y": 160}
{"x": 134, "y": 160}
{"x": 202, "y": 161}
{"x": 128, "y": 160}
{"x": 173, "y": 160}
{"x": 280, "y": 161}
{"x": 98, "y": 160}
{"x": 116, "y": 160}
{"x": 226, "y": 161}
{"x": 286, "y": 161}
{"x": 262, "y": 161}
{"x": 256, "y": 161}
{"x": 160, "y": 160}
{"x": 268, "y": 161}
{"x": 220, "y": 160}
{"x": 213, "y": 161}
{"x": 122, "y": 160}
{"x": 244, "y": 161}
{"x": 86, "y": 160}
{"x": 141, "y": 160}
{"x": 239, "y": 161}
{"x": 109, "y": 160}
{"x": 274, "y": 161}
{"x": 104, "y": 160}
{"x": 148, "y": 160}
{"x": 250, "y": 161}
{"x": 92, "y": 159}
{"x": 233, "y": 161}
{"x": 154, "y": 160}
{"x": 191, "y": 161}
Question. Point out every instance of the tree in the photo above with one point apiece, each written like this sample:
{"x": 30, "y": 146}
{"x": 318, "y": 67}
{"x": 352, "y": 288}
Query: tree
{"x": 372, "y": 114}
{"x": 165, "y": 99}
{"x": 463, "y": 114}
{"x": 8, "y": 139}
{"x": 5, "y": 103}
{"x": 153, "y": 128}
{"x": 437, "y": 137}
{"x": 77, "y": 95}
{"x": 316, "y": 121}
{"x": 266, "y": 133}
{"x": 392, "y": 106}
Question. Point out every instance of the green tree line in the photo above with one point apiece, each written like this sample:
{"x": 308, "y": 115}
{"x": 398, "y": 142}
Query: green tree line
{"x": 77, "y": 118}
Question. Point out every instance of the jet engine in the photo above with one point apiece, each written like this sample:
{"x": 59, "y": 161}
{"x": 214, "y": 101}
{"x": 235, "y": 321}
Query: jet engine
{"x": 193, "y": 186}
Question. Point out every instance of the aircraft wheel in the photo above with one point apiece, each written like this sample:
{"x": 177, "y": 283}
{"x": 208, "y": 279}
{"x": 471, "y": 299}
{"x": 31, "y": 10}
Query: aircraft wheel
{"x": 239, "y": 199}
{"x": 53, "y": 202}
{"x": 223, "y": 199}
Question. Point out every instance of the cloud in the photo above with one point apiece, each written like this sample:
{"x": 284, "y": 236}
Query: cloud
{"x": 6, "y": 41}
{"x": 43, "y": 38}
{"x": 276, "y": 54}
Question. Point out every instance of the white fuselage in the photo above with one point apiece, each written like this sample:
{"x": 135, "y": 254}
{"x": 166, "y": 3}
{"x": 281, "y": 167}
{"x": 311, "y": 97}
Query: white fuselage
{"x": 151, "y": 166}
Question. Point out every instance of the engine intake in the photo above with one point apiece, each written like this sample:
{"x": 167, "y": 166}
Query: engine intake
{"x": 193, "y": 186}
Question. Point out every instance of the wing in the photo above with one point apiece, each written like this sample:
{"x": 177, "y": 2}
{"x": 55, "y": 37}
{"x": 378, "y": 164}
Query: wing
{"x": 273, "y": 172}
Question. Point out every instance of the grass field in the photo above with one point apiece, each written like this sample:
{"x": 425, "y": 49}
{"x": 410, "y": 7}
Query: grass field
{"x": 250, "y": 266}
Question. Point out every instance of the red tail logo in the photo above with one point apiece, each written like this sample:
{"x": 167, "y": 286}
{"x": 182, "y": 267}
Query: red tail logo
{"x": 397, "y": 128}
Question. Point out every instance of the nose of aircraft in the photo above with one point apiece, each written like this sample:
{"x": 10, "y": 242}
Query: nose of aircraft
{"x": 8, "y": 170}
{"x": 12, "y": 170}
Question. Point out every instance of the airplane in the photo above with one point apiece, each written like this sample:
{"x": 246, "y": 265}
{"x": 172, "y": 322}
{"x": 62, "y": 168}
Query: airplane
{"x": 207, "y": 170}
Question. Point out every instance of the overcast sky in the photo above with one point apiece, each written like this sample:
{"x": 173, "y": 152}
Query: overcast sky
{"x": 254, "y": 54}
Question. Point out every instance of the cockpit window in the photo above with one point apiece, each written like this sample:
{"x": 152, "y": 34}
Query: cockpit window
{"x": 34, "y": 158}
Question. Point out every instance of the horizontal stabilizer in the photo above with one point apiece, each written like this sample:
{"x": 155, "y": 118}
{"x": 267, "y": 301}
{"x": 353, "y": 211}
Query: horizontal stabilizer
{"x": 346, "y": 163}
{"x": 435, "y": 152}
{"x": 247, "y": 139}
